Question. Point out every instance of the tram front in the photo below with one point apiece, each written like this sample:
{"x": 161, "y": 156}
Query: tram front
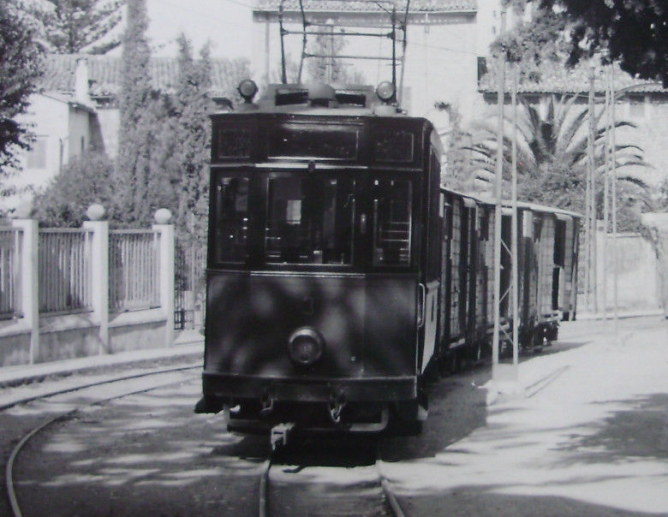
{"x": 314, "y": 297}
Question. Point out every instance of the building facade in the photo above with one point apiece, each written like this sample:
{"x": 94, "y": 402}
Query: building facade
{"x": 76, "y": 111}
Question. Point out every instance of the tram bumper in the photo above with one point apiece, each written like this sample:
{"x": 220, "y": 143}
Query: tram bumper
{"x": 349, "y": 405}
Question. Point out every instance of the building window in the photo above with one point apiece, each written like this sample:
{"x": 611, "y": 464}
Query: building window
{"x": 37, "y": 155}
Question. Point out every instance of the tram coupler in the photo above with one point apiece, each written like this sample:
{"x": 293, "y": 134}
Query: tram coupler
{"x": 335, "y": 406}
{"x": 279, "y": 435}
{"x": 267, "y": 405}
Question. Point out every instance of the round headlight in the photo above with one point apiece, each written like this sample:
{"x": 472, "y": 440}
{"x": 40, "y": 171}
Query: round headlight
{"x": 385, "y": 91}
{"x": 305, "y": 346}
{"x": 247, "y": 89}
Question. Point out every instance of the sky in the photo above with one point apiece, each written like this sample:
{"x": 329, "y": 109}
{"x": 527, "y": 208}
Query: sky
{"x": 226, "y": 23}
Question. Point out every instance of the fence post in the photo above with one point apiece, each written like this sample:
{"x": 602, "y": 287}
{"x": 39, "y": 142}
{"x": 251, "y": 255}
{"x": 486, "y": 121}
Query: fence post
{"x": 29, "y": 295}
{"x": 166, "y": 259}
{"x": 99, "y": 260}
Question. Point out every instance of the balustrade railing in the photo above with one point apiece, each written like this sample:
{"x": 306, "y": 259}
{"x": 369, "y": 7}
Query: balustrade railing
{"x": 10, "y": 264}
{"x": 134, "y": 270}
{"x": 64, "y": 271}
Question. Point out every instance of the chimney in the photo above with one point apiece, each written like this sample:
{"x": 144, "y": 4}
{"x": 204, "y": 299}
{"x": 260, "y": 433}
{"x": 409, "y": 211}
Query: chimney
{"x": 81, "y": 81}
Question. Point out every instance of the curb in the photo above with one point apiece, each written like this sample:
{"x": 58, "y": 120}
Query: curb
{"x": 12, "y": 376}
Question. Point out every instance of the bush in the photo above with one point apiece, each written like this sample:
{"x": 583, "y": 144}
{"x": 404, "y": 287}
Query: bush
{"x": 87, "y": 179}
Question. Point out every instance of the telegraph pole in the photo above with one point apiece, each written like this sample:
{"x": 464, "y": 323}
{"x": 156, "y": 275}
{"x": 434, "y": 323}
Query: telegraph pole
{"x": 613, "y": 180}
{"x": 501, "y": 64}
{"x": 588, "y": 236}
{"x": 514, "y": 229}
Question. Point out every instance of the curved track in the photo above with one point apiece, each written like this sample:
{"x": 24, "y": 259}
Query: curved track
{"x": 9, "y": 475}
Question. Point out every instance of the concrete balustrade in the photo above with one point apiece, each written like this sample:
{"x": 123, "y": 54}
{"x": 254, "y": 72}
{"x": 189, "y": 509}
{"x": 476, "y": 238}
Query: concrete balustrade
{"x": 30, "y": 337}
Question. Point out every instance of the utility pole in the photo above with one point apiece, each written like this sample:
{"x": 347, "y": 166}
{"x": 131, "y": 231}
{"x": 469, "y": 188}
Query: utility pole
{"x": 514, "y": 229}
{"x": 498, "y": 209}
{"x": 592, "y": 293}
{"x": 613, "y": 180}
{"x": 606, "y": 195}
{"x": 588, "y": 236}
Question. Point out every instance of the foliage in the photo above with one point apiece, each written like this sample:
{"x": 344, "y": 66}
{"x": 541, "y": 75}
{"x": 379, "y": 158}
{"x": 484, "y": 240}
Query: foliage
{"x": 187, "y": 142}
{"x": 140, "y": 110}
{"x": 457, "y": 173}
{"x": 631, "y": 32}
{"x": 20, "y": 67}
{"x": 532, "y": 44}
{"x": 87, "y": 179}
{"x": 72, "y": 26}
{"x": 552, "y": 155}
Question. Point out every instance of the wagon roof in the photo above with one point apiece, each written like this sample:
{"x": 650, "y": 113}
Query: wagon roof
{"x": 487, "y": 200}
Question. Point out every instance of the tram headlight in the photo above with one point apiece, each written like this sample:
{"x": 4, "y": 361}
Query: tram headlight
{"x": 306, "y": 346}
{"x": 247, "y": 89}
{"x": 385, "y": 91}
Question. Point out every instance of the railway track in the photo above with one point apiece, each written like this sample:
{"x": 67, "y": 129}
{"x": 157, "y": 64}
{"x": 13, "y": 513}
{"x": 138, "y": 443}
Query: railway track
{"x": 369, "y": 492}
{"x": 60, "y": 415}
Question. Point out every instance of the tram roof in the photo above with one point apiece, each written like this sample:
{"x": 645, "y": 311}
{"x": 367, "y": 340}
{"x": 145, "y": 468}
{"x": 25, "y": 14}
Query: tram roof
{"x": 343, "y": 100}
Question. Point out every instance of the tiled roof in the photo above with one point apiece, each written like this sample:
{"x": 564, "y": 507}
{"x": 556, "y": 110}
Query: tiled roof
{"x": 105, "y": 74}
{"x": 369, "y": 5}
{"x": 556, "y": 78}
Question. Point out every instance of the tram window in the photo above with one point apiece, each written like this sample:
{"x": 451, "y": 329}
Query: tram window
{"x": 392, "y": 210}
{"x": 231, "y": 220}
{"x": 310, "y": 221}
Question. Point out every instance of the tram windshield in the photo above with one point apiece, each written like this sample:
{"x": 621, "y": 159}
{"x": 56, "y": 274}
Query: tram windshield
{"x": 392, "y": 222}
{"x": 231, "y": 219}
{"x": 310, "y": 221}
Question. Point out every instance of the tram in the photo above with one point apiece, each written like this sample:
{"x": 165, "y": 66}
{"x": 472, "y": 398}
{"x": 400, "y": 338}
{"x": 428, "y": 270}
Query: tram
{"x": 322, "y": 280}
{"x": 340, "y": 272}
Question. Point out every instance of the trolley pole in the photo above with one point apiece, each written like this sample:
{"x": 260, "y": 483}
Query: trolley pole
{"x": 501, "y": 63}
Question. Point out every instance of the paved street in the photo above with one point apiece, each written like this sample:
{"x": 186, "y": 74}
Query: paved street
{"x": 591, "y": 441}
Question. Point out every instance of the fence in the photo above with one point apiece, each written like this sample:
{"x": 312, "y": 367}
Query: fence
{"x": 64, "y": 271}
{"x": 9, "y": 272}
{"x": 134, "y": 270}
{"x": 190, "y": 286}
{"x": 79, "y": 291}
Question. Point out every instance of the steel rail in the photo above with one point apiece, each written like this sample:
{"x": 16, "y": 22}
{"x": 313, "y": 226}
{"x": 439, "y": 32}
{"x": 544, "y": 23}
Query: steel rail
{"x": 54, "y": 393}
{"x": 9, "y": 476}
{"x": 263, "y": 508}
{"x": 387, "y": 489}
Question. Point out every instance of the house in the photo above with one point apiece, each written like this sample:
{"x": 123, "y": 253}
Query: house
{"x": 641, "y": 102}
{"x": 76, "y": 110}
{"x": 443, "y": 40}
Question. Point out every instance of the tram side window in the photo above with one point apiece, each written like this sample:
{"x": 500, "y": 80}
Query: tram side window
{"x": 392, "y": 211}
{"x": 310, "y": 221}
{"x": 231, "y": 220}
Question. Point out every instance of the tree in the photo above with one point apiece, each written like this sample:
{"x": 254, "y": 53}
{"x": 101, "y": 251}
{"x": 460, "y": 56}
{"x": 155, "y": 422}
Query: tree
{"x": 72, "y": 26}
{"x": 187, "y": 142}
{"x": 631, "y": 32}
{"x": 87, "y": 179}
{"x": 552, "y": 155}
{"x": 139, "y": 108}
{"x": 20, "y": 67}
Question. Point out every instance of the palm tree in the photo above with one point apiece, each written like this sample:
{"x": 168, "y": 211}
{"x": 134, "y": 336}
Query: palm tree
{"x": 552, "y": 156}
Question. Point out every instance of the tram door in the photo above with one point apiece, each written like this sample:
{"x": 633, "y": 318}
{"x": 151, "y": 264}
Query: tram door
{"x": 430, "y": 277}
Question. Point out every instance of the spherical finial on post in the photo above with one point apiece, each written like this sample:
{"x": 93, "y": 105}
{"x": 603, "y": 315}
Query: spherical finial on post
{"x": 95, "y": 212}
{"x": 23, "y": 211}
{"x": 162, "y": 216}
